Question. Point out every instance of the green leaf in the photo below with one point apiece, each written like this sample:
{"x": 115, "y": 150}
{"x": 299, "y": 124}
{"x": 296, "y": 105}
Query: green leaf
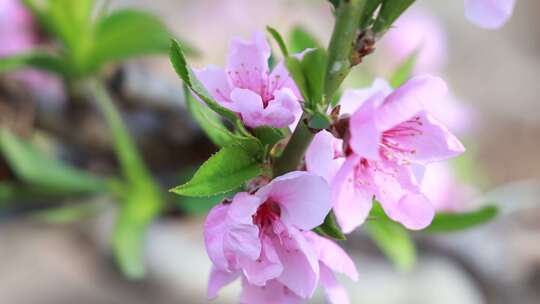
{"x": 294, "y": 66}
{"x": 314, "y": 69}
{"x": 209, "y": 121}
{"x": 71, "y": 22}
{"x": 281, "y": 43}
{"x": 330, "y": 228}
{"x": 452, "y": 222}
{"x": 404, "y": 71}
{"x": 369, "y": 10}
{"x": 393, "y": 240}
{"x": 319, "y": 121}
{"x": 335, "y": 3}
{"x": 389, "y": 13}
{"x": 270, "y": 136}
{"x": 140, "y": 206}
{"x": 213, "y": 127}
{"x": 128, "y": 33}
{"x": 224, "y": 171}
{"x": 300, "y": 39}
{"x": 34, "y": 167}
{"x": 35, "y": 60}
{"x": 70, "y": 213}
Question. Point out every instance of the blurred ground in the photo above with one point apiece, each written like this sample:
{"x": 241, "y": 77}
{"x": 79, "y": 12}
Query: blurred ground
{"x": 496, "y": 72}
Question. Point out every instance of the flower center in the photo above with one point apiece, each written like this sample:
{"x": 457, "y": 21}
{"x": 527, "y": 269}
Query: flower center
{"x": 266, "y": 215}
{"x": 391, "y": 147}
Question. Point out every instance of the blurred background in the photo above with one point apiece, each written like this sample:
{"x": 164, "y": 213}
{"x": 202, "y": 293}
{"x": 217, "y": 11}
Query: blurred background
{"x": 493, "y": 78}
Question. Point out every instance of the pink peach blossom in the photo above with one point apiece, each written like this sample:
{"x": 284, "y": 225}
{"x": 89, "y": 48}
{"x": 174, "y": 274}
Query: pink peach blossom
{"x": 490, "y": 14}
{"x": 247, "y": 87}
{"x": 264, "y": 238}
{"x": 391, "y": 139}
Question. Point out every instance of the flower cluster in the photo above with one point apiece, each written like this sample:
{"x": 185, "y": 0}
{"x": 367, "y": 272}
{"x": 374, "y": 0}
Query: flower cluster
{"x": 247, "y": 87}
{"x": 378, "y": 148}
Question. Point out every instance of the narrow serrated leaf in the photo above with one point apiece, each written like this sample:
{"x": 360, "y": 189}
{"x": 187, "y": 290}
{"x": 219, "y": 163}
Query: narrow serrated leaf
{"x": 36, "y": 168}
{"x": 452, "y": 222}
{"x": 300, "y": 39}
{"x": 389, "y": 13}
{"x": 34, "y": 60}
{"x": 224, "y": 171}
{"x": 314, "y": 69}
{"x": 392, "y": 238}
{"x": 277, "y": 37}
{"x": 330, "y": 228}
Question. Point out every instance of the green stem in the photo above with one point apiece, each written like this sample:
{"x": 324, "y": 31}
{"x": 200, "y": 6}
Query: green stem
{"x": 294, "y": 151}
{"x": 348, "y": 16}
{"x": 130, "y": 160}
{"x": 142, "y": 199}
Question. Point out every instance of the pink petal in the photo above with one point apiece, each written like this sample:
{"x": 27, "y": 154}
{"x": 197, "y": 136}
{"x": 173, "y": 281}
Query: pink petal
{"x": 282, "y": 110}
{"x": 352, "y": 204}
{"x": 214, "y": 231}
{"x": 300, "y": 263}
{"x": 242, "y": 237}
{"x": 331, "y": 255}
{"x": 216, "y": 82}
{"x": 335, "y": 293}
{"x": 243, "y": 207}
{"x": 351, "y": 100}
{"x": 218, "y": 279}
{"x": 434, "y": 143}
{"x": 250, "y": 106}
{"x": 366, "y": 134}
{"x": 265, "y": 268}
{"x": 304, "y": 198}
{"x": 490, "y": 14}
{"x": 414, "y": 211}
{"x": 273, "y": 293}
{"x": 248, "y": 62}
{"x": 320, "y": 154}
{"x": 409, "y": 99}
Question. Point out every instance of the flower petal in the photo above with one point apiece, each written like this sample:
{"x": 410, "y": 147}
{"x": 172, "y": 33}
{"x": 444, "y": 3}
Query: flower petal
{"x": 218, "y": 279}
{"x": 282, "y": 110}
{"x": 490, "y": 14}
{"x": 265, "y": 268}
{"x": 242, "y": 237}
{"x": 335, "y": 293}
{"x": 300, "y": 263}
{"x": 215, "y": 228}
{"x": 248, "y": 62}
{"x": 332, "y": 256}
{"x": 366, "y": 134}
{"x": 304, "y": 198}
{"x": 434, "y": 143}
{"x": 280, "y": 78}
{"x": 250, "y": 106}
{"x": 352, "y": 204}
{"x": 414, "y": 211}
{"x": 320, "y": 154}
{"x": 409, "y": 99}
{"x": 274, "y": 292}
{"x": 216, "y": 82}
{"x": 351, "y": 100}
